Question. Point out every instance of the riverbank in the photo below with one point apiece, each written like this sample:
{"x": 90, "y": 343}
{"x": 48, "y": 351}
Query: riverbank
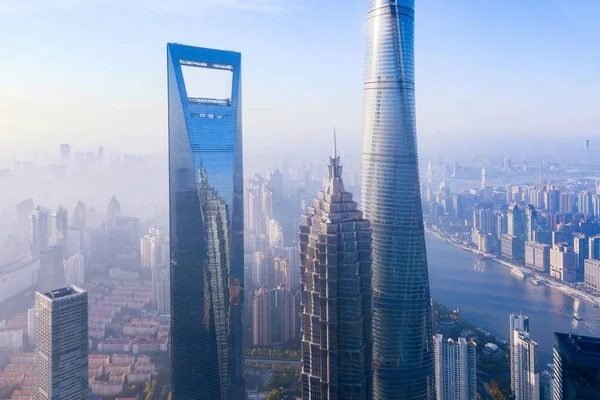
{"x": 564, "y": 288}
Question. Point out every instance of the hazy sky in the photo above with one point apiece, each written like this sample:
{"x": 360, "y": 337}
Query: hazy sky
{"x": 92, "y": 72}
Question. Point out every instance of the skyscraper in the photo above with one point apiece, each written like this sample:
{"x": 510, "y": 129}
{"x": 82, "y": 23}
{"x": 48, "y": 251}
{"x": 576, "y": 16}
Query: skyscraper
{"x": 403, "y": 342}
{"x": 523, "y": 360}
{"x": 38, "y": 231}
{"x": 455, "y": 369}
{"x": 335, "y": 254}
{"x": 61, "y": 344}
{"x": 206, "y": 229}
{"x": 576, "y": 367}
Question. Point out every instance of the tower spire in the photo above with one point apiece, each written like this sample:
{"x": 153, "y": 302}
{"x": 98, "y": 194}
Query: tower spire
{"x": 334, "y": 144}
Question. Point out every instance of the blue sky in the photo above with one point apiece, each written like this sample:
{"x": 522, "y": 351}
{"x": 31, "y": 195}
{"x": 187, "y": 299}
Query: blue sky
{"x": 94, "y": 71}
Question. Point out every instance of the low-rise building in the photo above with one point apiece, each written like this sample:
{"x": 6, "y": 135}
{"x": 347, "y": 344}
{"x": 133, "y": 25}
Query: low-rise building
{"x": 106, "y": 389}
{"x": 11, "y": 379}
{"x": 11, "y": 339}
{"x": 123, "y": 358}
{"x": 22, "y": 358}
{"x": 103, "y": 359}
{"x": 144, "y": 367}
{"x": 19, "y": 368}
{"x": 116, "y": 377}
{"x": 138, "y": 377}
{"x": 118, "y": 367}
{"x": 23, "y": 395}
{"x": 114, "y": 346}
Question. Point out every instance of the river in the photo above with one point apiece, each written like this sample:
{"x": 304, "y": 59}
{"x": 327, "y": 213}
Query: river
{"x": 488, "y": 294}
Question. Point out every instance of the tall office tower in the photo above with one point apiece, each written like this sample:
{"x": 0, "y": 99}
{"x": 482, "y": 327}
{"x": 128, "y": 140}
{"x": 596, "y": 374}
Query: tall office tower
{"x": 596, "y": 205}
{"x": 22, "y": 228}
{"x": 576, "y": 367}
{"x": 59, "y": 227}
{"x": 587, "y": 146}
{"x": 335, "y": 254}
{"x": 403, "y": 342}
{"x": 581, "y": 248}
{"x": 567, "y": 203}
{"x": 61, "y": 345}
{"x": 113, "y": 210}
{"x": 52, "y": 273}
{"x": 594, "y": 247}
{"x": 584, "y": 203}
{"x": 65, "y": 151}
{"x": 276, "y": 185}
{"x": 542, "y": 173}
{"x": 515, "y": 221}
{"x": 74, "y": 270}
{"x": 262, "y": 270}
{"x": 455, "y": 368}
{"x": 38, "y": 231}
{"x": 161, "y": 288}
{"x": 552, "y": 200}
{"x": 483, "y": 178}
{"x": 79, "y": 214}
{"x": 531, "y": 222}
{"x": 261, "y": 327}
{"x": 100, "y": 153}
{"x": 523, "y": 360}
{"x": 274, "y": 233}
{"x": 206, "y": 228}
{"x": 154, "y": 249}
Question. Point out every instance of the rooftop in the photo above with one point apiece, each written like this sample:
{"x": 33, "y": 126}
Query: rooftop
{"x": 62, "y": 292}
{"x": 583, "y": 346}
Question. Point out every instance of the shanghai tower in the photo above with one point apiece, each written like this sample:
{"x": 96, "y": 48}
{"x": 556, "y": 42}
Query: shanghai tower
{"x": 403, "y": 364}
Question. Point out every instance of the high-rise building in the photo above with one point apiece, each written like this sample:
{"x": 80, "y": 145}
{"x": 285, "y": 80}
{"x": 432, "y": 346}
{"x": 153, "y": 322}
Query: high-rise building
{"x": 206, "y": 228}
{"x": 23, "y": 226}
{"x": 61, "y": 344}
{"x": 581, "y": 249}
{"x": 523, "y": 360}
{"x": 594, "y": 247}
{"x": 74, "y": 269}
{"x": 52, "y": 273}
{"x": 274, "y": 316}
{"x": 38, "y": 231}
{"x": 455, "y": 368}
{"x": 335, "y": 254}
{"x": 161, "y": 288}
{"x": 113, "y": 210}
{"x": 567, "y": 203}
{"x": 530, "y": 222}
{"x": 59, "y": 227}
{"x": 403, "y": 342}
{"x": 515, "y": 221}
{"x": 592, "y": 275}
{"x": 576, "y": 367}
{"x": 563, "y": 263}
{"x": 537, "y": 256}
{"x": 65, "y": 151}
{"x": 79, "y": 214}
{"x": 154, "y": 249}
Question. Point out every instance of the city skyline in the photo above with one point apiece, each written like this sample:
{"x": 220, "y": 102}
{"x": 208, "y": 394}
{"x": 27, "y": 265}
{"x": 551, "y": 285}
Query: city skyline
{"x": 516, "y": 50}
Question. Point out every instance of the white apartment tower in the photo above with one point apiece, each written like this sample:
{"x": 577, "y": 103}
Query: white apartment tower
{"x": 524, "y": 374}
{"x": 455, "y": 368}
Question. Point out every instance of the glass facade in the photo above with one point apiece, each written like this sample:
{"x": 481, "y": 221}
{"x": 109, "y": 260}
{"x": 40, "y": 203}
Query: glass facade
{"x": 206, "y": 228}
{"x": 403, "y": 361}
{"x": 335, "y": 253}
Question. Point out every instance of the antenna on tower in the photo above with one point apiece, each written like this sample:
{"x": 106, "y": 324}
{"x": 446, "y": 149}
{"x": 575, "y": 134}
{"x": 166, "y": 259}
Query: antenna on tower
{"x": 334, "y": 144}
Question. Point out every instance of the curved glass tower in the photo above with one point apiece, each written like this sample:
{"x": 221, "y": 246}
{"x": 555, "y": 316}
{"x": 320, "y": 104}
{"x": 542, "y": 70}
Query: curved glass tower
{"x": 403, "y": 364}
{"x": 206, "y": 229}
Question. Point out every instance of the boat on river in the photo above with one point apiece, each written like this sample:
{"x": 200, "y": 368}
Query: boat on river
{"x": 517, "y": 273}
{"x": 577, "y": 318}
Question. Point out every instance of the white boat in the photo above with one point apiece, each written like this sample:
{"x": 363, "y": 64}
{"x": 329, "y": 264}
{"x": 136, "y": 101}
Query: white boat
{"x": 517, "y": 273}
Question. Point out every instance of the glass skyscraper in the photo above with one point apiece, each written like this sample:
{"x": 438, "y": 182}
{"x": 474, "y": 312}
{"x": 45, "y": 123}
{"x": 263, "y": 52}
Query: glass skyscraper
{"x": 335, "y": 253}
{"x": 206, "y": 229}
{"x": 403, "y": 363}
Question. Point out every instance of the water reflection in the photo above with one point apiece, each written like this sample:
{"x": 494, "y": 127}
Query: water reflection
{"x": 487, "y": 294}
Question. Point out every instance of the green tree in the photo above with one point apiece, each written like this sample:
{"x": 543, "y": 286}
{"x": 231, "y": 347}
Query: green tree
{"x": 275, "y": 394}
